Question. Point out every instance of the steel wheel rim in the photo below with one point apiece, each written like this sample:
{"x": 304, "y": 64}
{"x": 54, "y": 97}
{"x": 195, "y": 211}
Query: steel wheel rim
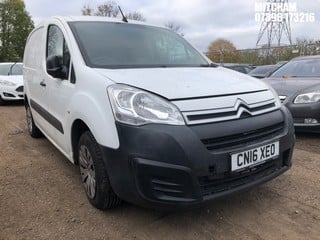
{"x": 87, "y": 171}
{"x": 29, "y": 119}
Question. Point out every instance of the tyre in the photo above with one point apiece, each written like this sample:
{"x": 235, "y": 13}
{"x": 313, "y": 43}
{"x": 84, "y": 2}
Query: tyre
{"x": 94, "y": 175}
{"x": 2, "y": 102}
{"x": 32, "y": 128}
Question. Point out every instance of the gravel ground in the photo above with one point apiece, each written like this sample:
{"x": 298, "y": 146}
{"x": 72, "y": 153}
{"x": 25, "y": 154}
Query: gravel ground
{"x": 41, "y": 197}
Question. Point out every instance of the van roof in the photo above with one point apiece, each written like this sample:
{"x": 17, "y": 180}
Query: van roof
{"x": 93, "y": 19}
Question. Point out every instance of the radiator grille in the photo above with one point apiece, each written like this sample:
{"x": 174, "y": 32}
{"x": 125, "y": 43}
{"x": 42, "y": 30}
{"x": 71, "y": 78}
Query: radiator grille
{"x": 244, "y": 138}
{"x": 229, "y": 181}
{"x": 238, "y": 111}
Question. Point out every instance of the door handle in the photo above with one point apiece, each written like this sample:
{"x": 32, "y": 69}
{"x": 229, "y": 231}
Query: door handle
{"x": 43, "y": 84}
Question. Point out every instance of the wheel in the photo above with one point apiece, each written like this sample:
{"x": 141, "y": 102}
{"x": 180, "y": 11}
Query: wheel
{"x": 32, "y": 128}
{"x": 94, "y": 175}
{"x": 2, "y": 102}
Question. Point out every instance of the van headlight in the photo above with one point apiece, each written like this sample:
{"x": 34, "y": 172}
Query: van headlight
{"x": 7, "y": 83}
{"x": 307, "y": 98}
{"x": 137, "y": 107}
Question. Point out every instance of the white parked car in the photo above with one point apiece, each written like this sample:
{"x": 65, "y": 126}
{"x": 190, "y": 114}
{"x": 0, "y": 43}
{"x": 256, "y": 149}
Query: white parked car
{"x": 11, "y": 82}
{"x": 149, "y": 119}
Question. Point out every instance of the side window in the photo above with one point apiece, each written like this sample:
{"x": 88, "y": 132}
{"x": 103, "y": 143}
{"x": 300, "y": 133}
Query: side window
{"x": 35, "y": 39}
{"x": 57, "y": 47}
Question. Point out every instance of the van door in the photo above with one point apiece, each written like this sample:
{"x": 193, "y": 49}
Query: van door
{"x": 34, "y": 59}
{"x": 59, "y": 90}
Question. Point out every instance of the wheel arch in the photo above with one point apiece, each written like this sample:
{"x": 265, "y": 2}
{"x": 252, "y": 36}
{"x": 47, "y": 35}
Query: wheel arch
{"x": 77, "y": 129}
{"x": 26, "y": 101}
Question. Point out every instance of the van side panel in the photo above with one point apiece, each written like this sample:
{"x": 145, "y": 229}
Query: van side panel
{"x": 33, "y": 72}
{"x": 85, "y": 101}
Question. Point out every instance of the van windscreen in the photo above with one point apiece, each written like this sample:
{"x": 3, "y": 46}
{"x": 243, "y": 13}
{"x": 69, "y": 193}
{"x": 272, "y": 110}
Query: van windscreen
{"x": 123, "y": 45}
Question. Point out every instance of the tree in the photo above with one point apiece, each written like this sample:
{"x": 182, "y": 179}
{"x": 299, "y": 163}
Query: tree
{"x": 307, "y": 46}
{"x": 15, "y": 26}
{"x": 174, "y": 27}
{"x": 223, "y": 51}
{"x": 136, "y": 16}
{"x": 87, "y": 10}
{"x": 107, "y": 9}
{"x": 110, "y": 9}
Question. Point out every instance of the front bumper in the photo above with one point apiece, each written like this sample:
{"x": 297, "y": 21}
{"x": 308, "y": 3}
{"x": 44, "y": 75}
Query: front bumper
{"x": 163, "y": 166}
{"x": 300, "y": 112}
{"x": 11, "y": 93}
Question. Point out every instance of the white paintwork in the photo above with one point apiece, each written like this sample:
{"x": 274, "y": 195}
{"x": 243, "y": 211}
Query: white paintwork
{"x": 175, "y": 83}
{"x": 16, "y": 79}
{"x": 223, "y": 102}
{"x": 88, "y": 101}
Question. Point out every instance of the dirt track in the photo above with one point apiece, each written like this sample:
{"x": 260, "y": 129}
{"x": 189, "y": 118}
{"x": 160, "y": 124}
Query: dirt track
{"x": 41, "y": 197}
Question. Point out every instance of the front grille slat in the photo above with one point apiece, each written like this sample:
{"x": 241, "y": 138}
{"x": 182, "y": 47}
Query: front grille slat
{"x": 165, "y": 183}
{"x": 167, "y": 187}
{"x": 228, "y": 114}
{"x": 167, "y": 190}
{"x": 238, "y": 111}
{"x": 243, "y": 138}
{"x": 229, "y": 181}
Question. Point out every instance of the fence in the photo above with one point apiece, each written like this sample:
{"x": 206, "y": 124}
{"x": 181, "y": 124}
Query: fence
{"x": 264, "y": 55}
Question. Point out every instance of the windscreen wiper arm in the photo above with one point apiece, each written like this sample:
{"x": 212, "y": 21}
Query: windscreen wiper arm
{"x": 209, "y": 65}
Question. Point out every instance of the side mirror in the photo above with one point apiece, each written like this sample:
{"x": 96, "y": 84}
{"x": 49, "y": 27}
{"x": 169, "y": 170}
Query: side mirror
{"x": 55, "y": 67}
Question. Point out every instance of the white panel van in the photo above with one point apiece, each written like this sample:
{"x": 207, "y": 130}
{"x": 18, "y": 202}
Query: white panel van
{"x": 147, "y": 118}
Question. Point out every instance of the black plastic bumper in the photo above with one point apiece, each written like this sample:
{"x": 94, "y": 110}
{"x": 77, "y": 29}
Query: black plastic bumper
{"x": 164, "y": 166}
{"x": 302, "y": 111}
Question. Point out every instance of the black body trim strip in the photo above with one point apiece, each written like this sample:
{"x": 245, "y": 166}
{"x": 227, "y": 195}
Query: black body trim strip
{"x": 47, "y": 116}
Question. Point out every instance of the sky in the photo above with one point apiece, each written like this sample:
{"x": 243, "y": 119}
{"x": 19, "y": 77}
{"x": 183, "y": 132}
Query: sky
{"x": 203, "y": 21}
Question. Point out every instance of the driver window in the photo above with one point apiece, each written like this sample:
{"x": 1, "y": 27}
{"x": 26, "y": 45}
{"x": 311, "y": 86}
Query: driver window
{"x": 57, "y": 46}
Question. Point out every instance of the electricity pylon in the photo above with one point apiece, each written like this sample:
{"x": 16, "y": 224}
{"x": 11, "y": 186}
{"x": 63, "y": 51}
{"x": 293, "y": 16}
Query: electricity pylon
{"x": 274, "y": 30}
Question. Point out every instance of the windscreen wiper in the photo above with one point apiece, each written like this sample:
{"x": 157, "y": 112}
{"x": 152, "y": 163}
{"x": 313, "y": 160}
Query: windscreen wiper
{"x": 209, "y": 65}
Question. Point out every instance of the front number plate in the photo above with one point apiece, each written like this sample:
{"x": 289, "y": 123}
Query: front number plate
{"x": 254, "y": 156}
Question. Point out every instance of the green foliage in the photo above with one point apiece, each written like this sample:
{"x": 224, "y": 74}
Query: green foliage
{"x": 223, "y": 50}
{"x": 15, "y": 26}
